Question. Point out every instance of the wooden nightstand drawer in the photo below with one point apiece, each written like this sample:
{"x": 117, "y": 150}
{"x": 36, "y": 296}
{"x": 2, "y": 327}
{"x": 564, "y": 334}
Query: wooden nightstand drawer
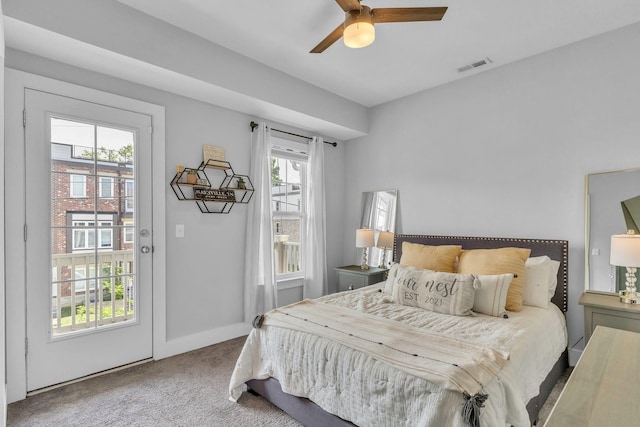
{"x": 350, "y": 281}
{"x": 616, "y": 321}
{"x": 607, "y": 310}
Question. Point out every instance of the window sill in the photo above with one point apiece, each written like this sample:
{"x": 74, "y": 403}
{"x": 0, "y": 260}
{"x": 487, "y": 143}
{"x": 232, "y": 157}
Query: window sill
{"x": 289, "y": 282}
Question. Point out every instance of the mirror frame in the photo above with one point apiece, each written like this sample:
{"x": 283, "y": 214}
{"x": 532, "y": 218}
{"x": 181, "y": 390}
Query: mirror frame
{"x": 588, "y": 231}
{"x": 375, "y": 254}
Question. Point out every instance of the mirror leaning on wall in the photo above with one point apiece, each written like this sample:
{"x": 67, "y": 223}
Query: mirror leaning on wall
{"x": 612, "y": 206}
{"x": 379, "y": 214}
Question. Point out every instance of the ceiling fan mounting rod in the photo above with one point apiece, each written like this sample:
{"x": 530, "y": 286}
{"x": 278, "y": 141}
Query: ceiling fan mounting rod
{"x": 355, "y": 16}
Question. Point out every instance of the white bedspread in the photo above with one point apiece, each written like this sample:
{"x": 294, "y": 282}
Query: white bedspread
{"x": 369, "y": 392}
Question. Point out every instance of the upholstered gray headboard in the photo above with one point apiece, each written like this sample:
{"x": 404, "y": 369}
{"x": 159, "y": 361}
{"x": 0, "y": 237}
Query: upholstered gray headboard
{"x": 554, "y": 249}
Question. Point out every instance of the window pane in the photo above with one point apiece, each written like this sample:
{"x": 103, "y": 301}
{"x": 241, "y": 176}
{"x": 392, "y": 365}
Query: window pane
{"x": 105, "y": 238}
{"x": 106, "y": 187}
{"x": 129, "y": 196}
{"x": 77, "y": 184}
{"x": 92, "y": 183}
{"x": 287, "y": 185}
{"x": 78, "y": 239}
{"x": 286, "y": 242}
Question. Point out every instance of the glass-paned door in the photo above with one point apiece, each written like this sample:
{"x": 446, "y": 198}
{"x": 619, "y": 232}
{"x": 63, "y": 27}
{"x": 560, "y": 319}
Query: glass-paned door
{"x": 88, "y": 245}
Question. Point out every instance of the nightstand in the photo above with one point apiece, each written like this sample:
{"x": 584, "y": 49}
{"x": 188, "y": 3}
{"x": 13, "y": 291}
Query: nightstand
{"x": 353, "y": 277}
{"x": 607, "y": 310}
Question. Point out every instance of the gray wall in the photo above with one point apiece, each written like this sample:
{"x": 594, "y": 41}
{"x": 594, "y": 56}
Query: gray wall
{"x": 3, "y": 394}
{"x": 505, "y": 152}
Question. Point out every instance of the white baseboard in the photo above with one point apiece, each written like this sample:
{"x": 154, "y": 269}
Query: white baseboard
{"x": 199, "y": 340}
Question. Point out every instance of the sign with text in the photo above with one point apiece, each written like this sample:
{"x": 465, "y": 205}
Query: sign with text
{"x": 214, "y": 195}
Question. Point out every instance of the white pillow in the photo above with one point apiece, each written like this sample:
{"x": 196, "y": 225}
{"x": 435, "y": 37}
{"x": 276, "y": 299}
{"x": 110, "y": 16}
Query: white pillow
{"x": 391, "y": 275}
{"x": 540, "y": 281}
{"x": 447, "y": 293}
{"x": 553, "y": 279}
{"x": 491, "y": 295}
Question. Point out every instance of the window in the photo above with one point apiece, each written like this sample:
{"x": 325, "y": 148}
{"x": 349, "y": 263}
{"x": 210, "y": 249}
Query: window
{"x": 288, "y": 194}
{"x": 128, "y": 194}
{"x": 84, "y": 235}
{"x": 78, "y": 185}
{"x": 127, "y": 231}
{"x": 106, "y": 187}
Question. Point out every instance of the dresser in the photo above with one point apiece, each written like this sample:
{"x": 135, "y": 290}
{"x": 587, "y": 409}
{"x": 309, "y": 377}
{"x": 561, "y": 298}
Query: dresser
{"x": 607, "y": 310}
{"x": 353, "y": 277}
{"x": 604, "y": 388}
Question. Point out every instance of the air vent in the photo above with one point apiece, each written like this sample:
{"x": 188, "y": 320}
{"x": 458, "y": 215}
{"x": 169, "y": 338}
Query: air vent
{"x": 473, "y": 65}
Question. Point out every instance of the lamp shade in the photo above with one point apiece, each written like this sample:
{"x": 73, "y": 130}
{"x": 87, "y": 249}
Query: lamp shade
{"x": 364, "y": 238}
{"x": 385, "y": 240}
{"x": 625, "y": 250}
{"x": 358, "y": 28}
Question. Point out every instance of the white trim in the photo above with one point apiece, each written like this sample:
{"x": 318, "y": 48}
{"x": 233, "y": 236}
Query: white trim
{"x": 16, "y": 82}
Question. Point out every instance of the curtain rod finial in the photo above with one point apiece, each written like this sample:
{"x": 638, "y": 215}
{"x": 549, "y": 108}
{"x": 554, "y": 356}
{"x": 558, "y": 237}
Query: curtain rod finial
{"x": 253, "y": 125}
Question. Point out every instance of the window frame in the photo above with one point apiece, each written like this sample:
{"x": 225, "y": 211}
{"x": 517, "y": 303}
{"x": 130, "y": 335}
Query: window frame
{"x": 85, "y": 227}
{"x": 291, "y": 151}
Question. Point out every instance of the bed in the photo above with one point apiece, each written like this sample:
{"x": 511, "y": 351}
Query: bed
{"x": 332, "y": 383}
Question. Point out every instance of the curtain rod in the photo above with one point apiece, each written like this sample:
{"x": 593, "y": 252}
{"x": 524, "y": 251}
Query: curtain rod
{"x": 255, "y": 125}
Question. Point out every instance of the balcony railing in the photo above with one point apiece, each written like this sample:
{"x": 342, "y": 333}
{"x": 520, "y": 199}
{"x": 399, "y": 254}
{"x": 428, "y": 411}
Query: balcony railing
{"x": 287, "y": 255}
{"x": 78, "y": 303}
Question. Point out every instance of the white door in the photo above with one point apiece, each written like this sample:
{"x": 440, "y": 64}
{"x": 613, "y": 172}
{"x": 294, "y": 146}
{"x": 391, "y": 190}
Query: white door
{"x": 89, "y": 250}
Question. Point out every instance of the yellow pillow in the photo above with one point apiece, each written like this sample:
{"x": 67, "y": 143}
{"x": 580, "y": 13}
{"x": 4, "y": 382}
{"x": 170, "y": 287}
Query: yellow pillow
{"x": 498, "y": 261}
{"x": 436, "y": 258}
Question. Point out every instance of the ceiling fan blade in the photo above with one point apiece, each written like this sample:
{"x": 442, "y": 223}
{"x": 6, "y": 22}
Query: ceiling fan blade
{"x": 348, "y": 5}
{"x": 329, "y": 40}
{"x": 407, "y": 14}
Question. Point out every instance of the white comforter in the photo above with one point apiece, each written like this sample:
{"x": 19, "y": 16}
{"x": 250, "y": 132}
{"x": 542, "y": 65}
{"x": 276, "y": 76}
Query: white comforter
{"x": 368, "y": 392}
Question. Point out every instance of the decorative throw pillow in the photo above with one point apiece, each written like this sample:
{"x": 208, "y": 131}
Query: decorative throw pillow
{"x": 498, "y": 261}
{"x": 536, "y": 283}
{"x": 447, "y": 293}
{"x": 437, "y": 258}
{"x": 391, "y": 275}
{"x": 491, "y": 295}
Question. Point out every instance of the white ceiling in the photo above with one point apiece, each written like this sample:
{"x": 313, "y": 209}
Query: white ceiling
{"x": 405, "y": 57}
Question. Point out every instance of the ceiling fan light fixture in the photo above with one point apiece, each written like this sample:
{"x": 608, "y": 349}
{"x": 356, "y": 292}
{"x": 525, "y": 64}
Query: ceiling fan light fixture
{"x": 358, "y": 28}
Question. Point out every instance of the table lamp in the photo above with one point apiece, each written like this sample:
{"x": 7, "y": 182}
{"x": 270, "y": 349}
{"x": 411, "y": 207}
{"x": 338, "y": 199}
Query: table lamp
{"x": 625, "y": 252}
{"x": 385, "y": 242}
{"x": 364, "y": 240}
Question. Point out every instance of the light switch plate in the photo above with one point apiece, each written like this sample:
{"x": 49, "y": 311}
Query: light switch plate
{"x": 179, "y": 230}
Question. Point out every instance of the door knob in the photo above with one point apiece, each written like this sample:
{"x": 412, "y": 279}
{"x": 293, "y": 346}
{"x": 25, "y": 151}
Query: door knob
{"x": 145, "y": 249}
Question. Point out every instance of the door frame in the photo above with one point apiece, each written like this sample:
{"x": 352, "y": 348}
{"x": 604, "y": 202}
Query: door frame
{"x": 15, "y": 84}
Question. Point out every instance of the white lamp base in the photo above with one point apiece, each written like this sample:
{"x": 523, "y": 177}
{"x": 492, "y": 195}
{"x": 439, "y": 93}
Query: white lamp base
{"x": 364, "y": 265}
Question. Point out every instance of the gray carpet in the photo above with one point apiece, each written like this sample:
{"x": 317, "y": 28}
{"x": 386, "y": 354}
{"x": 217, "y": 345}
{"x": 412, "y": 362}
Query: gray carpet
{"x": 185, "y": 390}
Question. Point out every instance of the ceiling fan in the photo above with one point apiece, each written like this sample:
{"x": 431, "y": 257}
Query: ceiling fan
{"x": 358, "y": 30}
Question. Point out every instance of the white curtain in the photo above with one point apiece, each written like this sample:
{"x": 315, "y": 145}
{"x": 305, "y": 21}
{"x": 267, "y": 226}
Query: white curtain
{"x": 260, "y": 293}
{"x": 315, "y": 267}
